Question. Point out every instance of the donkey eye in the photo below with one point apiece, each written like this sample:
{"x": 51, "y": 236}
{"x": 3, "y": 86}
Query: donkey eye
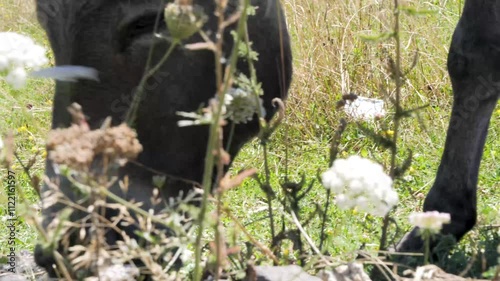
{"x": 138, "y": 27}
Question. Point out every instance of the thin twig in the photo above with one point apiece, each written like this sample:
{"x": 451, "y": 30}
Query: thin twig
{"x": 308, "y": 239}
{"x": 263, "y": 248}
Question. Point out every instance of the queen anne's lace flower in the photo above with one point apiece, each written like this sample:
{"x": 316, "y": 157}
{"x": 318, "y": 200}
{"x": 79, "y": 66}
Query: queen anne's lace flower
{"x": 16, "y": 78}
{"x": 18, "y": 52}
{"x": 360, "y": 183}
{"x": 432, "y": 221}
{"x": 242, "y": 105}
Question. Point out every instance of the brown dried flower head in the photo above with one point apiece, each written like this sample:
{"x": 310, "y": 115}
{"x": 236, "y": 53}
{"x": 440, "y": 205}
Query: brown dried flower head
{"x": 78, "y": 146}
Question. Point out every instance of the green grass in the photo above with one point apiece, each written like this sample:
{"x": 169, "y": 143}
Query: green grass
{"x": 25, "y": 113}
{"x": 324, "y": 33}
{"x": 330, "y": 59}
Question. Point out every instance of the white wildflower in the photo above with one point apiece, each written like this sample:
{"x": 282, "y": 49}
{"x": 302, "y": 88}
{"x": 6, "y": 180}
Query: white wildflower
{"x": 365, "y": 108}
{"x": 1, "y": 143}
{"x": 18, "y": 52}
{"x": 432, "y": 221}
{"x": 4, "y": 63}
{"x": 360, "y": 183}
{"x": 242, "y": 105}
{"x": 239, "y": 106}
{"x": 119, "y": 272}
{"x": 16, "y": 78}
{"x": 198, "y": 119}
{"x": 203, "y": 117}
{"x": 187, "y": 255}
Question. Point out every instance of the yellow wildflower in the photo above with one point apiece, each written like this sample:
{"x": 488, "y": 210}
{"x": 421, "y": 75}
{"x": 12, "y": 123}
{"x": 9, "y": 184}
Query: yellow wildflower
{"x": 389, "y": 133}
{"x": 286, "y": 252}
{"x": 22, "y": 129}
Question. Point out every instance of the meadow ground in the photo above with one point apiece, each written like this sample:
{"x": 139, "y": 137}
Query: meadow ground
{"x": 330, "y": 59}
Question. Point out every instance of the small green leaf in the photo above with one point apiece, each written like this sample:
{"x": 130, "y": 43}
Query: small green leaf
{"x": 364, "y": 153}
{"x": 375, "y": 38}
{"x": 414, "y": 12}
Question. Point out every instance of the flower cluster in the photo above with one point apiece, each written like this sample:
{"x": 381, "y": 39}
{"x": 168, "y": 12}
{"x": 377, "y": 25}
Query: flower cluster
{"x": 77, "y": 146}
{"x": 432, "y": 221}
{"x": 18, "y": 52}
{"x": 242, "y": 105}
{"x": 360, "y": 183}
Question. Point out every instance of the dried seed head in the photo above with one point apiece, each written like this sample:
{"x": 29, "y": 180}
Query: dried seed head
{"x": 77, "y": 146}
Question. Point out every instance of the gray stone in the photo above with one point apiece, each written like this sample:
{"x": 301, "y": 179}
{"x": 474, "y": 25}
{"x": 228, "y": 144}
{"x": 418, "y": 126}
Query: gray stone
{"x": 347, "y": 272}
{"x": 12, "y": 277}
{"x": 278, "y": 273}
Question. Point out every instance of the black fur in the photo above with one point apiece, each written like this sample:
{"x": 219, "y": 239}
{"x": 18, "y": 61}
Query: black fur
{"x": 474, "y": 68}
{"x": 114, "y": 37}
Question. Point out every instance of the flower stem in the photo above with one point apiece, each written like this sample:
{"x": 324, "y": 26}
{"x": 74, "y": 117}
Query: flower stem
{"x": 397, "y": 80}
{"x": 268, "y": 194}
{"x": 214, "y": 135}
{"x": 138, "y": 97}
{"x": 427, "y": 246}
{"x": 323, "y": 221}
{"x": 230, "y": 137}
{"x": 334, "y": 150}
{"x": 396, "y": 117}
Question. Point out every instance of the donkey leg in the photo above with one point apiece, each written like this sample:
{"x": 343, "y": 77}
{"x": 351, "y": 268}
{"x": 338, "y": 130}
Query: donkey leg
{"x": 474, "y": 68}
